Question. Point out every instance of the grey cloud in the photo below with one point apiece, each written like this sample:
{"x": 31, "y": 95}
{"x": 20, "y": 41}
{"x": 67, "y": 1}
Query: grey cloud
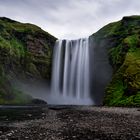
{"x": 69, "y": 18}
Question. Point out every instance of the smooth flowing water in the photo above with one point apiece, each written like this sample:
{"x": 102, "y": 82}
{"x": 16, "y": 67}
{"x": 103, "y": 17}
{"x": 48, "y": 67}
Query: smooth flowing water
{"x": 71, "y": 73}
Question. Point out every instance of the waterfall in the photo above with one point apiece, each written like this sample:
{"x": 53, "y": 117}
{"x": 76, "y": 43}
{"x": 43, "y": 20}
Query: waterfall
{"x": 71, "y": 73}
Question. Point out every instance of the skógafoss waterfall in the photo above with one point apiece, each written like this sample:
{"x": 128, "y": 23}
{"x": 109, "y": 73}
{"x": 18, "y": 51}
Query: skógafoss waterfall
{"x": 71, "y": 73}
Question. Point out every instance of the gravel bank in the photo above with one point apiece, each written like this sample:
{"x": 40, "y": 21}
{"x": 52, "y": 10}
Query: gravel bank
{"x": 75, "y": 123}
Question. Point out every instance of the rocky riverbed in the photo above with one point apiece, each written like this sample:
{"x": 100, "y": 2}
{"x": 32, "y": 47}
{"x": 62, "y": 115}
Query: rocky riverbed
{"x": 70, "y": 123}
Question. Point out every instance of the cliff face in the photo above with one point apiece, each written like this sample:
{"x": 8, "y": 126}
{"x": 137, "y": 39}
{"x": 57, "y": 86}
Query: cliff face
{"x": 25, "y": 51}
{"x": 122, "y": 40}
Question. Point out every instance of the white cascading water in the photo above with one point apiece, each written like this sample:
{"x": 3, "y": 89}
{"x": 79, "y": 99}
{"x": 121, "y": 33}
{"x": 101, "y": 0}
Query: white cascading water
{"x": 70, "y": 75}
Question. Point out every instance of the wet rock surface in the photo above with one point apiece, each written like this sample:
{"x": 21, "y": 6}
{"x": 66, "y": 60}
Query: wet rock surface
{"x": 73, "y": 123}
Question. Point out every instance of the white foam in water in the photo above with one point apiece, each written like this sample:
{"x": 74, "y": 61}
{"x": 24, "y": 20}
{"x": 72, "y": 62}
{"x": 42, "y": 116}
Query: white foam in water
{"x": 70, "y": 75}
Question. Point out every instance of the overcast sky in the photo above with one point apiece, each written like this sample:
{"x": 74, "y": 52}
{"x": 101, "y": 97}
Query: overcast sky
{"x": 69, "y": 18}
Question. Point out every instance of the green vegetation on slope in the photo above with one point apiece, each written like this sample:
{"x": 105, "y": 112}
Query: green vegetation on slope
{"x": 123, "y": 38}
{"x": 26, "y": 51}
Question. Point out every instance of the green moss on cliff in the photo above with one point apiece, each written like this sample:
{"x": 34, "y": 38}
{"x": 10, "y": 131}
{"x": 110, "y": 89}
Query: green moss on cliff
{"x": 26, "y": 51}
{"x": 25, "y": 45}
{"x": 125, "y": 86}
{"x": 124, "y": 56}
